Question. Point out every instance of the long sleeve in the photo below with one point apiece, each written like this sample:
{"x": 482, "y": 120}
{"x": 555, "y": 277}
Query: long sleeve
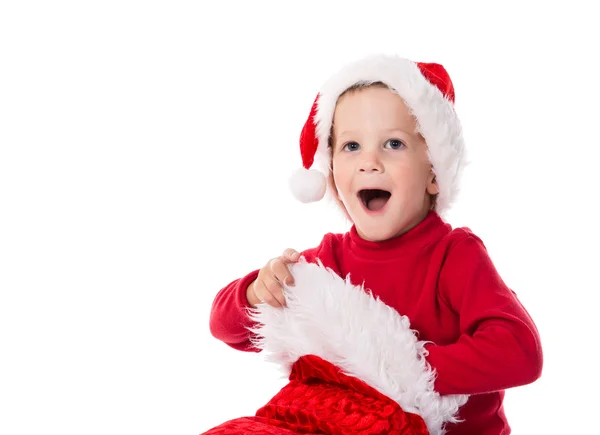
{"x": 228, "y": 317}
{"x": 499, "y": 346}
{"x": 229, "y": 321}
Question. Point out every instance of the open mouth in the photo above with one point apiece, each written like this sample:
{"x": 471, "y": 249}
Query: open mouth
{"x": 374, "y": 199}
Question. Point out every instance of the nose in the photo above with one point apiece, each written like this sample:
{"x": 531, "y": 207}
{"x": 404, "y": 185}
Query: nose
{"x": 370, "y": 162}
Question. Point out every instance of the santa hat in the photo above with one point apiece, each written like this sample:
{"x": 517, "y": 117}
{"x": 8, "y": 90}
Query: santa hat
{"x": 428, "y": 92}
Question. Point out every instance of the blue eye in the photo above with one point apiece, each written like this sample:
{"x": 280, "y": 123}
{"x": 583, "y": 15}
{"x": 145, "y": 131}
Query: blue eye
{"x": 351, "y": 146}
{"x": 394, "y": 144}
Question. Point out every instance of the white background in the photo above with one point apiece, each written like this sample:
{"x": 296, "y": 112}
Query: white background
{"x": 145, "y": 151}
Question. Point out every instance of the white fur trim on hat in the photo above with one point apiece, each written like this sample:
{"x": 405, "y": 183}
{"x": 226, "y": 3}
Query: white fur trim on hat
{"x": 333, "y": 319}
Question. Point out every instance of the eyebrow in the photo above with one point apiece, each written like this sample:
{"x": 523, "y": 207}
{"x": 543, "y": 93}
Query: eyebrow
{"x": 400, "y": 130}
{"x": 346, "y": 132}
{"x": 387, "y": 130}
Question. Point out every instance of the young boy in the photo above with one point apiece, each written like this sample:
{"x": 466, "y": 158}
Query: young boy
{"x": 385, "y": 133}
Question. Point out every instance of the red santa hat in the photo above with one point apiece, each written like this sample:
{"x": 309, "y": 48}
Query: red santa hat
{"x": 428, "y": 92}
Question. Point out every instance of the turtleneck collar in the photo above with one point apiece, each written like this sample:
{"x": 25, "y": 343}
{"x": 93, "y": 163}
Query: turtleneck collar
{"x": 431, "y": 228}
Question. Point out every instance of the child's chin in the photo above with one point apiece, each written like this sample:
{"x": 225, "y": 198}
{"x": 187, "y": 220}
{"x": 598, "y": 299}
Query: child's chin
{"x": 375, "y": 234}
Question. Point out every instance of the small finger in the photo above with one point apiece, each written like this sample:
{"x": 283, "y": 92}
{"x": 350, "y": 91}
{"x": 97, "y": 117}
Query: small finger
{"x": 275, "y": 291}
{"x": 259, "y": 290}
{"x": 265, "y": 296}
{"x": 273, "y": 262}
{"x": 282, "y": 273}
{"x": 275, "y": 300}
{"x": 291, "y": 255}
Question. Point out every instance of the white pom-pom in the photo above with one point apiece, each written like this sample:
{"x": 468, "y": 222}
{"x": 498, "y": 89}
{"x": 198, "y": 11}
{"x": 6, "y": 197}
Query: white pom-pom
{"x": 308, "y": 185}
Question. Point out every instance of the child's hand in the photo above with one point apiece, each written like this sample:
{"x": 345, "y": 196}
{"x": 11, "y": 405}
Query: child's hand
{"x": 268, "y": 286}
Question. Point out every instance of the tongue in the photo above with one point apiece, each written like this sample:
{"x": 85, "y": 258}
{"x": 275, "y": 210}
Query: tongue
{"x": 376, "y": 204}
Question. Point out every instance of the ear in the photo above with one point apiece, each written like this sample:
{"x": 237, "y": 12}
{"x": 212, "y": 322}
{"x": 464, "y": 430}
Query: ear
{"x": 332, "y": 186}
{"x": 432, "y": 186}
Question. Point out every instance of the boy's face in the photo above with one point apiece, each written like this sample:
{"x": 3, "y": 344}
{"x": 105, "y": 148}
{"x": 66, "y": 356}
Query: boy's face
{"x": 380, "y": 165}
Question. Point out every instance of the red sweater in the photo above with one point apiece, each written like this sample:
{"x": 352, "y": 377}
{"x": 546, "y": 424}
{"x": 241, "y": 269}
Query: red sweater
{"x": 445, "y": 282}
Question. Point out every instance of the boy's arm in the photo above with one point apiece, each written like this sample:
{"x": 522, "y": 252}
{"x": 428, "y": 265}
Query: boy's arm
{"x": 228, "y": 317}
{"x": 229, "y": 321}
{"x": 499, "y": 346}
